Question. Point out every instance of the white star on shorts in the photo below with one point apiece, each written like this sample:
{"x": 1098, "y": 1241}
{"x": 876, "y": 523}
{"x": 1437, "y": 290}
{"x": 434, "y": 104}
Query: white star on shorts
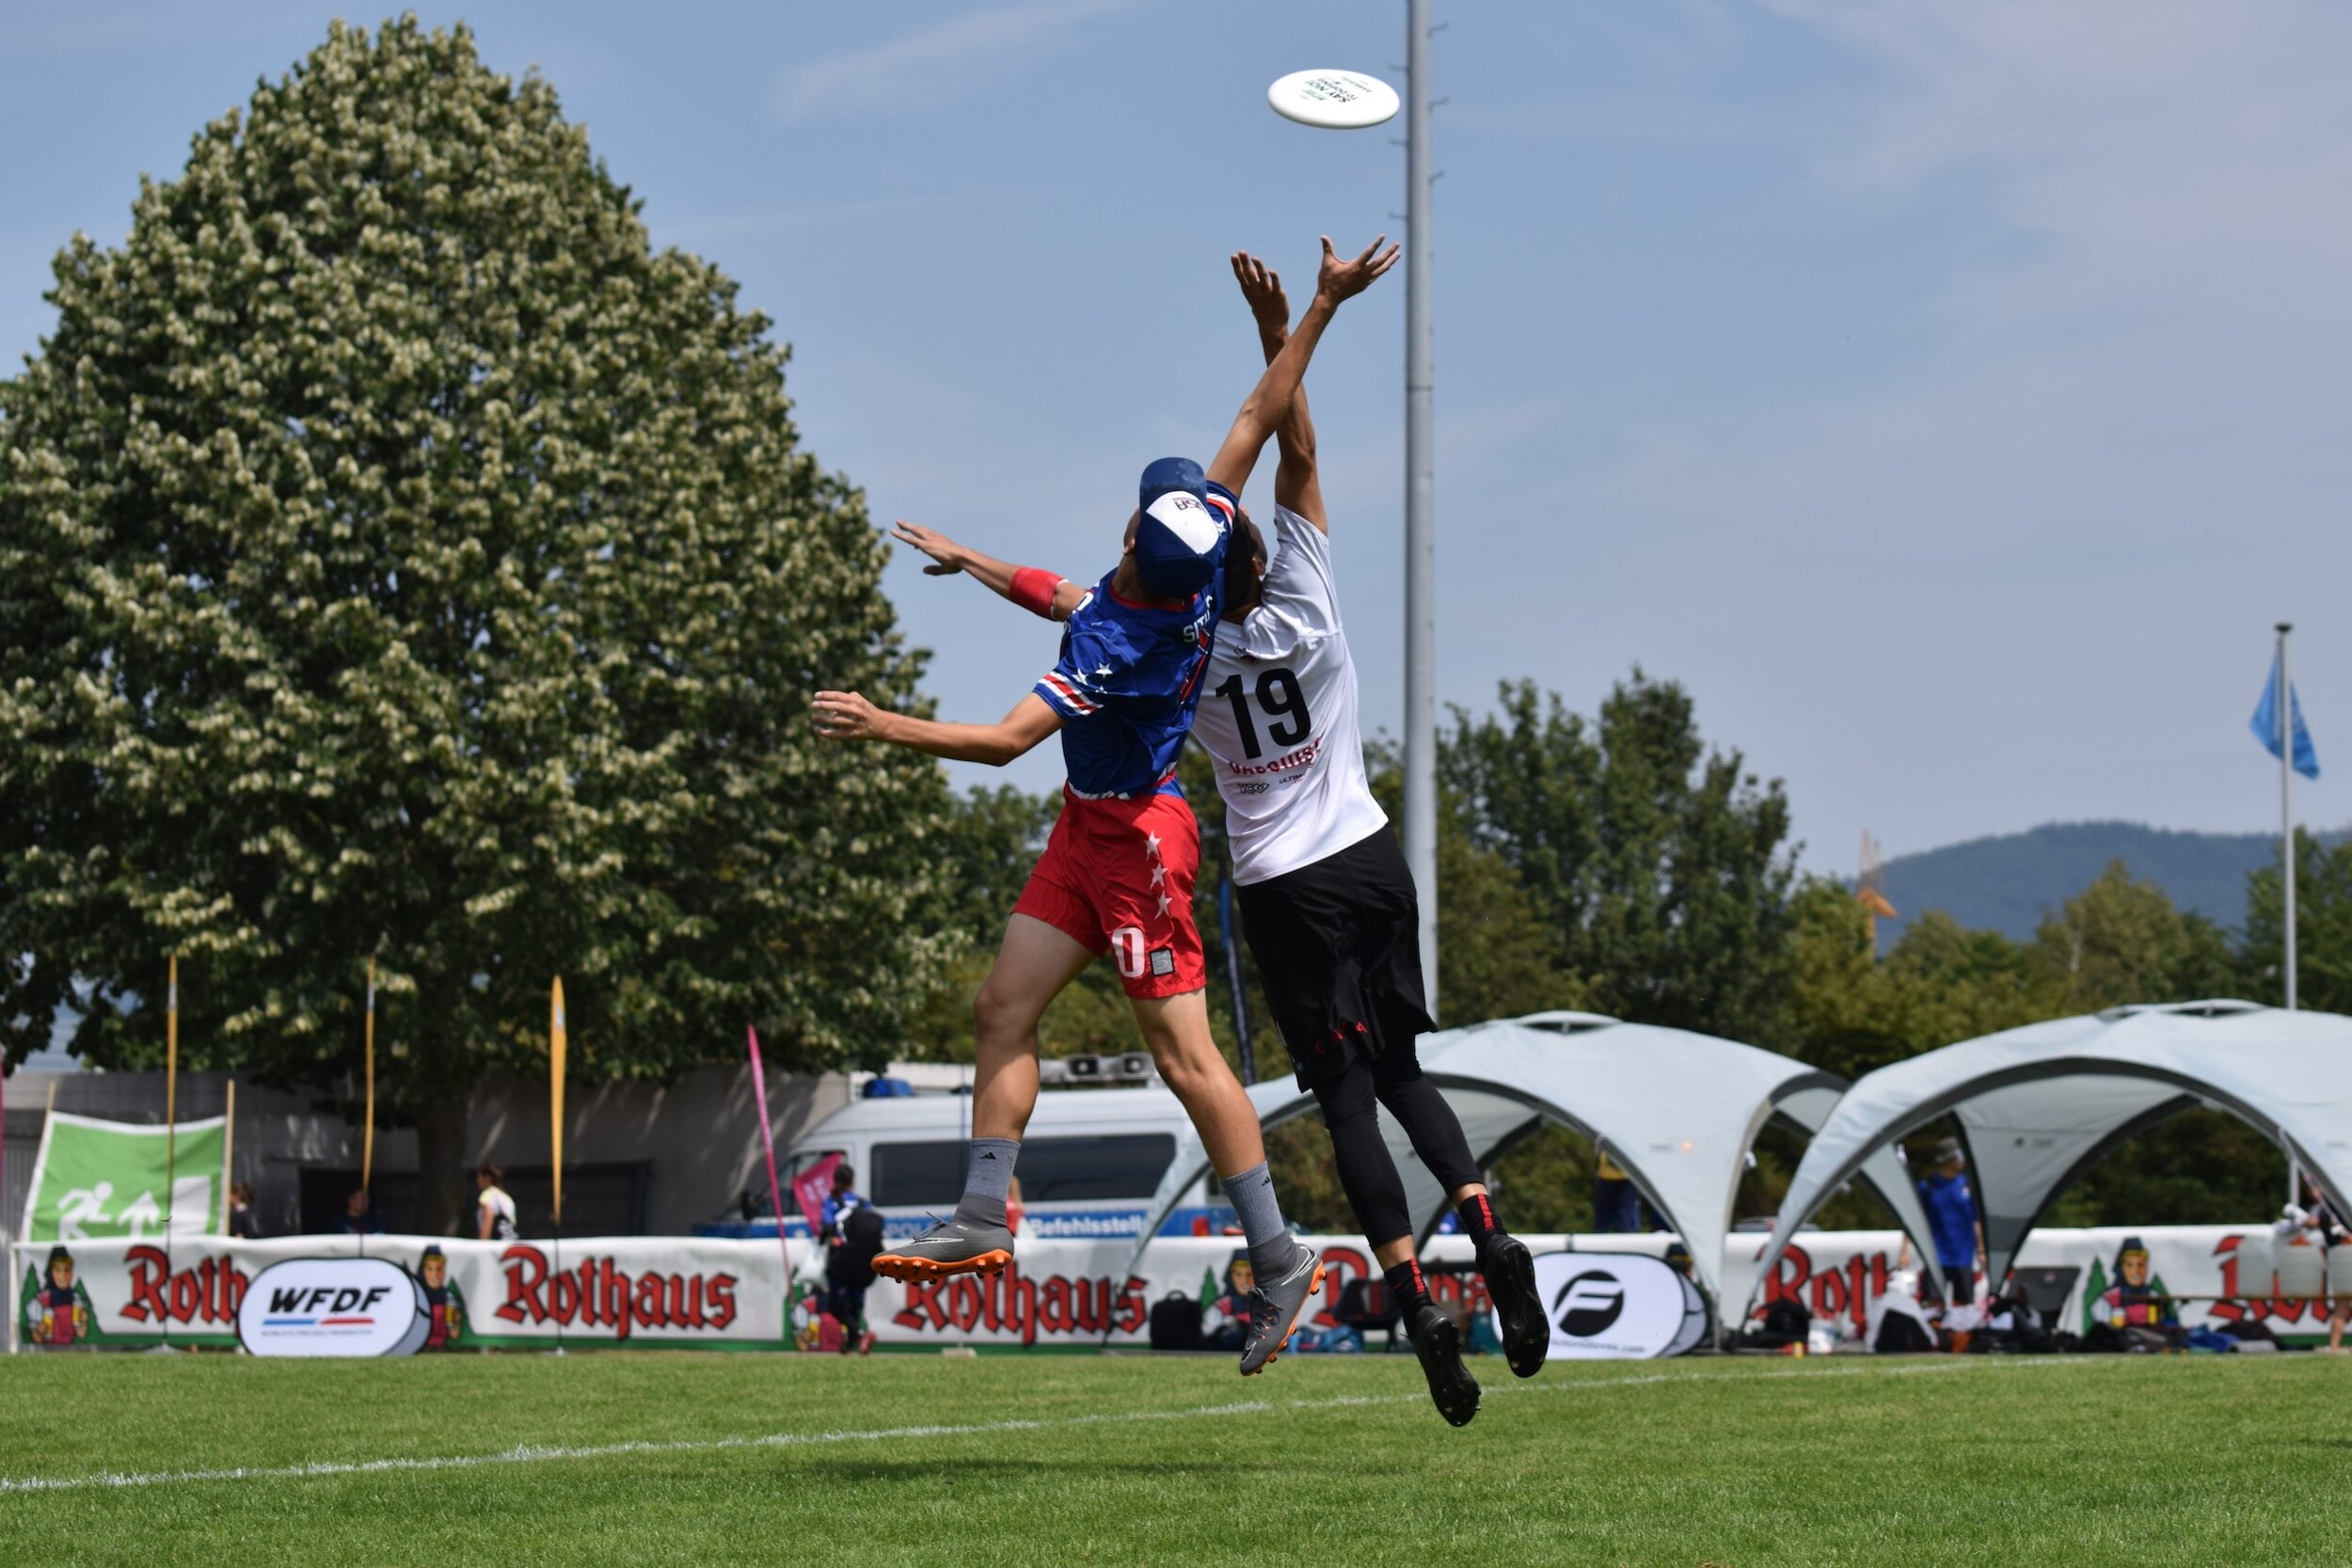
{"x": 1163, "y": 903}
{"x": 1151, "y": 845}
{"x": 1157, "y": 873}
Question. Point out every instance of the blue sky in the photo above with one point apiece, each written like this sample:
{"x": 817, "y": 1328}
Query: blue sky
{"x": 1950, "y": 396}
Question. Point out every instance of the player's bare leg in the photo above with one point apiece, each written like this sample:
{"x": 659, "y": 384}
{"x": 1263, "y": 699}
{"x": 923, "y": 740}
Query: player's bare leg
{"x": 1034, "y": 964}
{"x": 1288, "y": 1272}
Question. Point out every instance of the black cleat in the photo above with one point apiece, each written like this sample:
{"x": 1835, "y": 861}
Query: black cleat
{"x": 1439, "y": 1344}
{"x": 1510, "y": 1270}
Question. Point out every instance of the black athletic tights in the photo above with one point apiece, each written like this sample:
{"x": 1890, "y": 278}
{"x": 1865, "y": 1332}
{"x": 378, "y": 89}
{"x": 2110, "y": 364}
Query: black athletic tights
{"x": 1375, "y": 1190}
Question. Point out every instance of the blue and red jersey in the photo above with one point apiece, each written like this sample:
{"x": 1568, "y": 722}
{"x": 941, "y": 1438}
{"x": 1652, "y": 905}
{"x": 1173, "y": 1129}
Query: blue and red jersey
{"x": 1128, "y": 680}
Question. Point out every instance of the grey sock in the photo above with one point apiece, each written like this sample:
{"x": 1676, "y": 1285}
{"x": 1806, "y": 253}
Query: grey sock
{"x": 1252, "y": 1193}
{"x": 987, "y": 1179}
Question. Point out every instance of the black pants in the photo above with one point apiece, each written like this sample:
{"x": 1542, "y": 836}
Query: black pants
{"x": 1337, "y": 947}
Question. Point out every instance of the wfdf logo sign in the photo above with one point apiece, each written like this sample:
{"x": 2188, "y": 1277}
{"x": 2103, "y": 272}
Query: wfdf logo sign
{"x": 333, "y": 1306}
{"x": 1617, "y": 1305}
{"x": 1587, "y": 1305}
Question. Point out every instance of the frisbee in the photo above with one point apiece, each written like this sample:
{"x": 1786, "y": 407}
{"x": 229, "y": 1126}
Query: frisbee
{"x": 1333, "y": 100}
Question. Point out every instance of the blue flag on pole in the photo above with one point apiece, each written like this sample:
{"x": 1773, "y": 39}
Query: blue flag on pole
{"x": 2265, "y": 724}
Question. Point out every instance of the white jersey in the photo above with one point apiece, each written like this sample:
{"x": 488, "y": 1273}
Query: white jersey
{"x": 1278, "y": 716}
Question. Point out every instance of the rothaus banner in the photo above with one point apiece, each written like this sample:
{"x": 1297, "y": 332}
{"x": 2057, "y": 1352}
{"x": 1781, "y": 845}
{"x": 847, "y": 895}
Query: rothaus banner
{"x": 487, "y": 1295}
{"x": 725, "y": 1293}
{"x": 2105, "y": 1273}
{"x": 94, "y": 1179}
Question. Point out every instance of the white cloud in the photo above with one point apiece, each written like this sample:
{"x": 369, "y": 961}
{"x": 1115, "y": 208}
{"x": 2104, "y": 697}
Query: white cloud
{"x": 2148, "y": 153}
{"x": 927, "y": 67}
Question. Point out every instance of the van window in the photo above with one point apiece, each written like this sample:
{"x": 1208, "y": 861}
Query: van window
{"x": 1051, "y": 1170}
{"x": 1080, "y": 1170}
{"x": 919, "y": 1176}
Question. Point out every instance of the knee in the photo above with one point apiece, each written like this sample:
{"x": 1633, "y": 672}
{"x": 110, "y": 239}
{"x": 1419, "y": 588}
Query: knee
{"x": 1182, "y": 1064}
{"x": 1000, "y": 1014}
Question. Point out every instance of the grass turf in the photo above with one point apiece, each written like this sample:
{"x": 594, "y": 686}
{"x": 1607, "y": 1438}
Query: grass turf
{"x": 787, "y": 1459}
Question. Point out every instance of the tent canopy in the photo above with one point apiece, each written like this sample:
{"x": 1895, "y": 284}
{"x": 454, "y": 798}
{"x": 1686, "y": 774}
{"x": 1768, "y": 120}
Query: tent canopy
{"x": 2043, "y": 1103}
{"x": 1676, "y": 1111}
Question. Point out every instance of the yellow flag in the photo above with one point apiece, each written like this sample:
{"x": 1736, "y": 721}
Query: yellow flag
{"x": 555, "y": 1089}
{"x": 367, "y": 1145}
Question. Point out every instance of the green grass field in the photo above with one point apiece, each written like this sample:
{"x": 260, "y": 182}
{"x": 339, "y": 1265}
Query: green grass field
{"x": 679, "y": 1458}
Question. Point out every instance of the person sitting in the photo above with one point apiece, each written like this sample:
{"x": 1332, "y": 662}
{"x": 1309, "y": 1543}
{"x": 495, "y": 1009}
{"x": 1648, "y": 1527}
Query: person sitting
{"x": 2135, "y": 1305}
{"x": 360, "y": 1217}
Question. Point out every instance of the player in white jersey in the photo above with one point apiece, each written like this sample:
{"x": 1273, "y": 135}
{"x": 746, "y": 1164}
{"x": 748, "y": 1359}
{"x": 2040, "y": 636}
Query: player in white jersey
{"x": 1327, "y": 903}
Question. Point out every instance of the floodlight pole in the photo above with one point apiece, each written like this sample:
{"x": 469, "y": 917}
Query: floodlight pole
{"x": 1420, "y": 585}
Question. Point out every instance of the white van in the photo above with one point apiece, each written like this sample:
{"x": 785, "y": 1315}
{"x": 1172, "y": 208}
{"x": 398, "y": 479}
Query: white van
{"x": 1090, "y": 1162}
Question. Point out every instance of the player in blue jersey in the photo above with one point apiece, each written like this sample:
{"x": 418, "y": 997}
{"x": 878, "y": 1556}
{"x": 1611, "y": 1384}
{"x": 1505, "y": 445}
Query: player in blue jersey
{"x": 1117, "y": 874}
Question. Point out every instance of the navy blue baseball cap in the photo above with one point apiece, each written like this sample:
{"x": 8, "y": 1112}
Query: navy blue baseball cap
{"x": 1180, "y": 536}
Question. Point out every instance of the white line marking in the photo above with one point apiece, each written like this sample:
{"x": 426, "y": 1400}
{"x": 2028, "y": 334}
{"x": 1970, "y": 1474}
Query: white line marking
{"x": 536, "y": 1453}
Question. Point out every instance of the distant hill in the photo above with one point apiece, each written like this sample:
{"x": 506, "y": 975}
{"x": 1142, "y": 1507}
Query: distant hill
{"x": 2011, "y": 882}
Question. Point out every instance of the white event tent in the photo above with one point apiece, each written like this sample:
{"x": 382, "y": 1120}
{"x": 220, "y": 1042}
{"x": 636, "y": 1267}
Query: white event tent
{"x": 2041, "y": 1104}
{"x": 1676, "y": 1111}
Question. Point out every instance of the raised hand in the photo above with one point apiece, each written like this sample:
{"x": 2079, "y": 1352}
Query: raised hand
{"x": 1338, "y": 280}
{"x": 947, "y": 555}
{"x": 1262, "y": 286}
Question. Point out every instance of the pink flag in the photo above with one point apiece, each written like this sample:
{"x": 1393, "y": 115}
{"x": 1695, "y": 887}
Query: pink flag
{"x": 768, "y": 1142}
{"x": 812, "y": 1187}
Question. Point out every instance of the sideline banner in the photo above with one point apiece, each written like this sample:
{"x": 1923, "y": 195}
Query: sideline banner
{"x": 98, "y": 1179}
{"x": 728, "y": 1294}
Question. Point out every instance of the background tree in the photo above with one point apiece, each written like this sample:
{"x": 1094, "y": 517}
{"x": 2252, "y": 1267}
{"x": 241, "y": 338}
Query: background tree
{"x": 398, "y": 558}
{"x": 1662, "y": 869}
{"x": 2323, "y": 928}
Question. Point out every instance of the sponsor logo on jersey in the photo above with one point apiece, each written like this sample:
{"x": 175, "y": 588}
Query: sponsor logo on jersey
{"x": 1306, "y": 757}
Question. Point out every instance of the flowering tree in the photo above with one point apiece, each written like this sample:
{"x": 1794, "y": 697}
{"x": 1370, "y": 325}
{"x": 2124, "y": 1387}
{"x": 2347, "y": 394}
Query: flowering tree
{"x": 400, "y": 560}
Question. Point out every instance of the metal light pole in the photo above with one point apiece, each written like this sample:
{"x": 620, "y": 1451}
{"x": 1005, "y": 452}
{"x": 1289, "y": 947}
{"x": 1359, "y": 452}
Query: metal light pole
{"x": 1421, "y": 551}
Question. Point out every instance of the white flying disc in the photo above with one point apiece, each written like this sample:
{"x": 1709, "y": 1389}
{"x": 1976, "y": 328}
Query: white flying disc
{"x": 1333, "y": 100}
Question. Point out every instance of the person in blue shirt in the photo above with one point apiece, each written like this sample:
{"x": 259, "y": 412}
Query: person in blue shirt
{"x": 848, "y": 1267}
{"x": 1117, "y": 874}
{"x": 1952, "y": 1207}
{"x": 360, "y": 1217}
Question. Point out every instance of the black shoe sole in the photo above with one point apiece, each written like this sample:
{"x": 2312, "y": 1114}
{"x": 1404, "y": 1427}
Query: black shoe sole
{"x": 1510, "y": 1270}
{"x": 1451, "y": 1386}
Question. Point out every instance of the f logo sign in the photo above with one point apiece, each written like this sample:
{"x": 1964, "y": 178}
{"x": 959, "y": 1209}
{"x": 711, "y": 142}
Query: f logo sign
{"x": 1588, "y": 1304}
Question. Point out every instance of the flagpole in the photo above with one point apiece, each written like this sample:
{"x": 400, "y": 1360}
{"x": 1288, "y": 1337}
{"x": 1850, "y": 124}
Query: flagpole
{"x": 367, "y": 1137}
{"x": 2284, "y": 699}
{"x": 558, "y": 1035}
{"x": 2286, "y": 803}
{"x": 171, "y": 1120}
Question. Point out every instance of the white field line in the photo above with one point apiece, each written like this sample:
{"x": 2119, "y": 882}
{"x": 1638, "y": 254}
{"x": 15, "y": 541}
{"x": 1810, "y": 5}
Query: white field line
{"x": 536, "y": 1453}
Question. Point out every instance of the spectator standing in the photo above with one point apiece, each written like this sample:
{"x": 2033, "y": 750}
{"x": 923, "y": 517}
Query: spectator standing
{"x": 1616, "y": 1202}
{"x": 2320, "y": 1216}
{"x": 1951, "y": 1205}
{"x": 853, "y": 1235}
{"x": 493, "y": 1212}
{"x": 360, "y": 1217}
{"x": 244, "y": 1225}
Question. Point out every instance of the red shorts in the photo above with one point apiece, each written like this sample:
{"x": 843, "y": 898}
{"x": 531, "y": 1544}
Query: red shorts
{"x": 1117, "y": 876}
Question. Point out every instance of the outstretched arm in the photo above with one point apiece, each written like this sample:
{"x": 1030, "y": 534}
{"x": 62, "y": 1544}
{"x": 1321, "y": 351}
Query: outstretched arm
{"x": 847, "y": 716}
{"x": 1296, "y": 486}
{"x": 1268, "y": 404}
{"x": 1033, "y": 588}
